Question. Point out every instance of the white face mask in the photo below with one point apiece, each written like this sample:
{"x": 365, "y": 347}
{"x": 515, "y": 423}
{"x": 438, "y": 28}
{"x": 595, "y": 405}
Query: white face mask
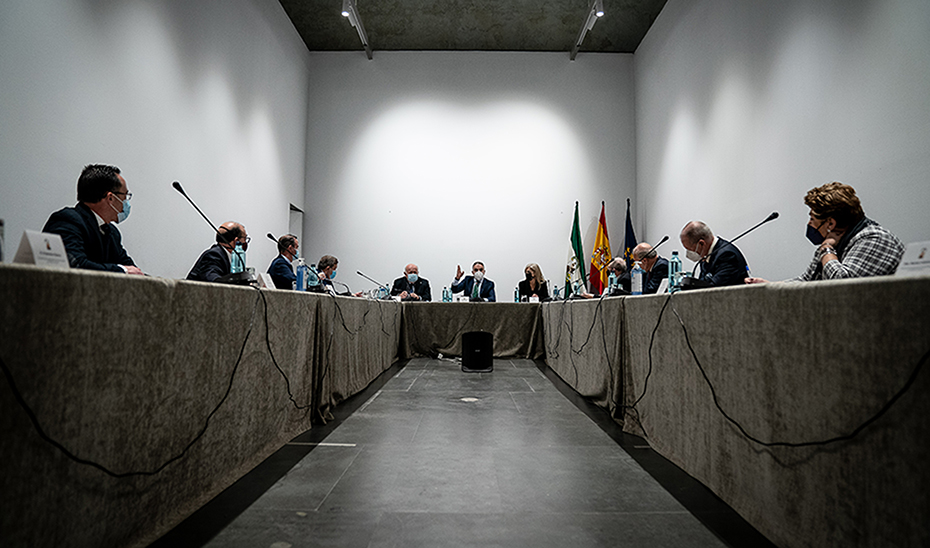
{"x": 479, "y": 275}
{"x": 692, "y": 255}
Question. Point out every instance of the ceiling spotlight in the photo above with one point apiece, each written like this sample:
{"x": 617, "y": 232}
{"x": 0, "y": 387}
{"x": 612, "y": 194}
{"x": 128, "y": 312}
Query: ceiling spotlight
{"x": 350, "y": 11}
{"x": 594, "y": 12}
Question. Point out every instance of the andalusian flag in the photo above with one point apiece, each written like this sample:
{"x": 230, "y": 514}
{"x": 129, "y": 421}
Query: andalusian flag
{"x": 574, "y": 269}
{"x": 601, "y": 256}
{"x": 630, "y": 239}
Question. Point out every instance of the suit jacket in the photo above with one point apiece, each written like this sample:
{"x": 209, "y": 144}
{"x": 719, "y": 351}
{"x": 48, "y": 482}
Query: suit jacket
{"x": 282, "y": 273}
{"x": 654, "y": 277}
{"x": 85, "y": 245}
{"x": 212, "y": 264}
{"x": 421, "y": 288}
{"x": 724, "y": 266}
{"x": 486, "y": 292}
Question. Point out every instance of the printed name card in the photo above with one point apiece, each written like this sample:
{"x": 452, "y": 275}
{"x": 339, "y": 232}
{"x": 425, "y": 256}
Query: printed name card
{"x": 42, "y": 249}
{"x": 916, "y": 260}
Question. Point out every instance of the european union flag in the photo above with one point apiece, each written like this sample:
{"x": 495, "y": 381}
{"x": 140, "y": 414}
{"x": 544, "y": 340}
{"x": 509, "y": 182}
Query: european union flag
{"x": 629, "y": 241}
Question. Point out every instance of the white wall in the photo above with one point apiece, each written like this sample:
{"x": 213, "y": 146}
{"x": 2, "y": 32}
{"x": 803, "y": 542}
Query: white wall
{"x": 210, "y": 93}
{"x": 444, "y": 158}
{"x": 741, "y": 107}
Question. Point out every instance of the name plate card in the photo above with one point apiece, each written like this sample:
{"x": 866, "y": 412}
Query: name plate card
{"x": 916, "y": 260}
{"x": 42, "y": 249}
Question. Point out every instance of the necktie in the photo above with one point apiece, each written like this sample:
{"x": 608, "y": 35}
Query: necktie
{"x": 474, "y": 290}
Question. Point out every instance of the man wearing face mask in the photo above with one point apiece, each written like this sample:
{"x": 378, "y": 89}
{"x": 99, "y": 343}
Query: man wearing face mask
{"x": 849, "y": 244}
{"x": 216, "y": 261}
{"x": 91, "y": 239}
{"x": 327, "y": 269}
{"x": 281, "y": 269}
{"x": 655, "y": 267}
{"x": 618, "y": 281}
{"x": 721, "y": 262}
{"x": 477, "y": 287}
{"x": 411, "y": 287}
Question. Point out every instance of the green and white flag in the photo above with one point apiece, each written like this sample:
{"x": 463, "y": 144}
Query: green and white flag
{"x": 574, "y": 267}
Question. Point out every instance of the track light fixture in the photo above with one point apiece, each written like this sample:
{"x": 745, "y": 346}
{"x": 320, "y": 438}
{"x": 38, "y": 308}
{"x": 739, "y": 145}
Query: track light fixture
{"x": 350, "y": 12}
{"x": 596, "y": 10}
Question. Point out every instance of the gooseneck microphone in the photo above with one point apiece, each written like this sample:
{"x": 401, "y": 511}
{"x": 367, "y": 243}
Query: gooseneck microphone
{"x": 653, "y": 250}
{"x": 237, "y": 278}
{"x": 771, "y": 217}
{"x": 376, "y": 282}
{"x": 690, "y": 282}
{"x": 271, "y": 237}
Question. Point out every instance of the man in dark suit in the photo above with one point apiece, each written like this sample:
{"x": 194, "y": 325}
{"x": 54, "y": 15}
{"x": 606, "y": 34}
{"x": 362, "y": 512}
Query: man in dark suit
{"x": 91, "y": 241}
{"x": 216, "y": 261}
{"x": 411, "y": 287}
{"x": 721, "y": 262}
{"x": 281, "y": 269}
{"x": 655, "y": 267}
{"x": 476, "y": 286}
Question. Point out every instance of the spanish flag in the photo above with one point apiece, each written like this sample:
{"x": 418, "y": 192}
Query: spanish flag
{"x": 600, "y": 258}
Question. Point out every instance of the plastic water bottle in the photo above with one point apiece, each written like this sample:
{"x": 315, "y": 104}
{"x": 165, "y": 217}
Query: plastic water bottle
{"x": 555, "y": 292}
{"x": 446, "y": 297}
{"x": 674, "y": 273}
{"x": 313, "y": 276}
{"x": 301, "y": 275}
{"x": 636, "y": 280}
{"x": 238, "y": 260}
{"x": 516, "y": 295}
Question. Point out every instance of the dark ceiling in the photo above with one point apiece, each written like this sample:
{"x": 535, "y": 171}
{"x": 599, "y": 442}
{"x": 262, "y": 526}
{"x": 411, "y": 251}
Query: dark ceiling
{"x": 488, "y": 25}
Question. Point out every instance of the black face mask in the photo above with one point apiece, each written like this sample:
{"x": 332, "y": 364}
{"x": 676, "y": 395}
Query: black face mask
{"x": 813, "y": 234}
{"x": 529, "y": 275}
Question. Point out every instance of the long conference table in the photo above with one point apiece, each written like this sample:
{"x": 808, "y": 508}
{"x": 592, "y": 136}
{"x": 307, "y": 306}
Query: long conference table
{"x": 127, "y": 371}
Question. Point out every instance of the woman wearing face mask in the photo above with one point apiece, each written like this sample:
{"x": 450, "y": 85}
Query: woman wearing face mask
{"x": 849, "y": 244}
{"x": 534, "y": 284}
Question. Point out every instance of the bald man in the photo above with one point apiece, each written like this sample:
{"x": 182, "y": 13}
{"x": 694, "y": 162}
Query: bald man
{"x": 410, "y": 286}
{"x": 656, "y": 267}
{"x": 216, "y": 261}
{"x": 721, "y": 262}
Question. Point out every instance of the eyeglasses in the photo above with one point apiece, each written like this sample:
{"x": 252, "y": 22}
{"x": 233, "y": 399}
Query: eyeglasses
{"x": 247, "y": 239}
{"x": 127, "y": 194}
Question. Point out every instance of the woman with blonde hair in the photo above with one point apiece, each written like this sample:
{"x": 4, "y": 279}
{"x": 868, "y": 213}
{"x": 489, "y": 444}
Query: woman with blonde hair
{"x": 534, "y": 285}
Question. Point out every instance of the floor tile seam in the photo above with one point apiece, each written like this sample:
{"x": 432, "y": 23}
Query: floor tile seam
{"x": 515, "y": 404}
{"x": 365, "y": 405}
{"x": 335, "y": 483}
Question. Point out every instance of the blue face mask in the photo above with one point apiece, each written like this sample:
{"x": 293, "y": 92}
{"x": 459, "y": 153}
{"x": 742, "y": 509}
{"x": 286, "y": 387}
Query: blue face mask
{"x": 332, "y": 274}
{"x": 121, "y": 215}
{"x": 814, "y": 235}
{"x": 412, "y": 278}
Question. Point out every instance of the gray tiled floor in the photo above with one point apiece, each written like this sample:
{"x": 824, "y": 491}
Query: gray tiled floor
{"x": 418, "y": 466}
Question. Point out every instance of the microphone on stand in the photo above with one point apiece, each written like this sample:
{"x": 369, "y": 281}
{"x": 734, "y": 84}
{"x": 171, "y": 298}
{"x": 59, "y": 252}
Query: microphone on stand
{"x": 387, "y": 291}
{"x": 690, "y": 282}
{"x": 239, "y": 278}
{"x": 376, "y": 282}
{"x": 653, "y": 250}
{"x": 271, "y": 237}
{"x": 771, "y": 217}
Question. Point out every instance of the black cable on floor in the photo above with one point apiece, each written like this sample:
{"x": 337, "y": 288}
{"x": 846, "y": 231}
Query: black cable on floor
{"x": 64, "y": 450}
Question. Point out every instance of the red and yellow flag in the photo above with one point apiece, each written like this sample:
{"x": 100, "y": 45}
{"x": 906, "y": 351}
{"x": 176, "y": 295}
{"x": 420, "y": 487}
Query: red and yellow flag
{"x": 601, "y": 256}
